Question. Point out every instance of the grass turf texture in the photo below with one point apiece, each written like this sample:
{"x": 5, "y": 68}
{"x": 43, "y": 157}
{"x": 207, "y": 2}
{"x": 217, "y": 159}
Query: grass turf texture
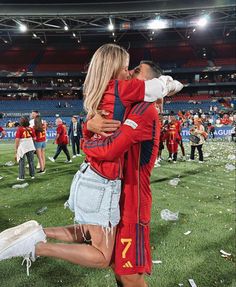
{"x": 204, "y": 197}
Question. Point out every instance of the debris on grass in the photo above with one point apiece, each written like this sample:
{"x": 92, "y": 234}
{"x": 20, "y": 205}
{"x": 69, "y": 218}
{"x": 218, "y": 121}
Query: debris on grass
{"x": 23, "y": 185}
{"x": 41, "y": 210}
{"x": 174, "y": 181}
{"x": 232, "y": 157}
{"x": 230, "y": 167}
{"x": 156, "y": 261}
{"x": 187, "y": 232}
{"x": 168, "y": 215}
{"x": 180, "y": 284}
{"x": 192, "y": 283}
{"x": 217, "y": 196}
{"x": 9, "y": 163}
{"x": 225, "y": 254}
{"x": 1, "y": 177}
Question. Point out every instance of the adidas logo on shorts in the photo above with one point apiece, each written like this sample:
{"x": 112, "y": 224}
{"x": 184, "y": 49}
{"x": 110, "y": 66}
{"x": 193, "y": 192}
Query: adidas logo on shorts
{"x": 127, "y": 265}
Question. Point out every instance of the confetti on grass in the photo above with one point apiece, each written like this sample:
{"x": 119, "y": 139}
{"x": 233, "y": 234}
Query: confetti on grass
{"x": 9, "y": 163}
{"x": 168, "y": 215}
{"x": 174, "y": 181}
{"x": 18, "y": 186}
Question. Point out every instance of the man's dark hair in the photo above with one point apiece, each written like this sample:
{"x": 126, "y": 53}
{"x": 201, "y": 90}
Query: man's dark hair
{"x": 156, "y": 70}
{"x": 37, "y": 112}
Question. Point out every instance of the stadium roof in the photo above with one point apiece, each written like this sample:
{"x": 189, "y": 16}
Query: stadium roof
{"x": 163, "y": 22}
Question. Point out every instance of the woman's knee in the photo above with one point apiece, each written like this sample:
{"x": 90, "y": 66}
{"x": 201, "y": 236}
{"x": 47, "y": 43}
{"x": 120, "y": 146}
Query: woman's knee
{"x": 134, "y": 280}
{"x": 104, "y": 261}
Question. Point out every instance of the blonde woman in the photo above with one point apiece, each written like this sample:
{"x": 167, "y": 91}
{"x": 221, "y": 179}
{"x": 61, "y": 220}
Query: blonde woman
{"x": 96, "y": 187}
{"x": 200, "y": 135}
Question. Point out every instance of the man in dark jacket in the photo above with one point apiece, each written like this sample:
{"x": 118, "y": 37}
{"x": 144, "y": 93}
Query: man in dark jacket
{"x": 75, "y": 133}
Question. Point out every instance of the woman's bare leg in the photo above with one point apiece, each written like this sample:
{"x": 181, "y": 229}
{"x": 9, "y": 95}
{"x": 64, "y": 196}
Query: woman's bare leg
{"x": 69, "y": 233}
{"x": 98, "y": 254}
{"x": 39, "y": 155}
{"x": 43, "y": 157}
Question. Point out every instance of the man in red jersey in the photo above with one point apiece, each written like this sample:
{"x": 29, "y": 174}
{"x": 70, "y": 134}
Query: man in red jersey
{"x": 61, "y": 141}
{"x": 172, "y": 138}
{"x": 132, "y": 256}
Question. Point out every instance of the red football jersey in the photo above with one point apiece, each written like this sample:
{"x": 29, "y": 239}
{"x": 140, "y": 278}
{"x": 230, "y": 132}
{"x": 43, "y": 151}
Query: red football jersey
{"x": 41, "y": 136}
{"x": 63, "y": 137}
{"x": 119, "y": 95}
{"x": 25, "y": 132}
{"x": 140, "y": 136}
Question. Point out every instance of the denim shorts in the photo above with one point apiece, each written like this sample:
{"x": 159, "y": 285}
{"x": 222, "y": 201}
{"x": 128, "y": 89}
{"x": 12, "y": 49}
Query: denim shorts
{"x": 94, "y": 199}
{"x": 40, "y": 145}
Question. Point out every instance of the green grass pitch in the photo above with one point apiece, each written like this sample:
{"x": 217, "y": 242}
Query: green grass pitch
{"x": 204, "y": 198}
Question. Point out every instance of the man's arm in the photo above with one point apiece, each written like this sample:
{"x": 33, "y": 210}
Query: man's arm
{"x": 136, "y": 128}
{"x": 136, "y": 90}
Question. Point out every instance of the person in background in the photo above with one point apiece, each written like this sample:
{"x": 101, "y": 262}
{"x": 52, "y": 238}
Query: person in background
{"x": 199, "y": 131}
{"x": 24, "y": 147}
{"x": 211, "y": 130}
{"x": 161, "y": 141}
{"x": 61, "y": 141}
{"x": 172, "y": 138}
{"x": 33, "y": 115}
{"x": 2, "y": 132}
{"x": 40, "y": 142}
{"x": 75, "y": 133}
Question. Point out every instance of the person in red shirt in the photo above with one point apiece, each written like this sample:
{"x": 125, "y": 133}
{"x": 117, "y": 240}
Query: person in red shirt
{"x": 172, "y": 138}
{"x": 40, "y": 142}
{"x": 132, "y": 256}
{"x": 61, "y": 141}
{"x": 179, "y": 124}
{"x": 24, "y": 147}
{"x": 2, "y": 133}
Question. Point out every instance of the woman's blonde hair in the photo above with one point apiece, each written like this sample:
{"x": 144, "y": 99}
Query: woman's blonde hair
{"x": 105, "y": 65}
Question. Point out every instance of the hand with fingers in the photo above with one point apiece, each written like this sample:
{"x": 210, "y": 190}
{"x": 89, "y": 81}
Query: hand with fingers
{"x": 102, "y": 126}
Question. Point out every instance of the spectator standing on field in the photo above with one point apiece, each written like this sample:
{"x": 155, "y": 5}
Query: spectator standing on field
{"x": 198, "y": 131}
{"x": 75, "y": 133}
{"x": 24, "y": 147}
{"x": 61, "y": 141}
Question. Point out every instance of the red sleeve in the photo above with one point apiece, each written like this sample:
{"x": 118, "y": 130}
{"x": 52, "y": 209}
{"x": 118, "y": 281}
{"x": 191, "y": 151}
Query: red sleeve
{"x": 1, "y": 129}
{"x": 59, "y": 130}
{"x": 18, "y": 133}
{"x": 135, "y": 129}
{"x": 86, "y": 133}
{"x": 131, "y": 91}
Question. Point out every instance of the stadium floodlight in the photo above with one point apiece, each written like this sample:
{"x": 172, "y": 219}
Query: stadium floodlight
{"x": 4, "y": 40}
{"x": 74, "y": 35}
{"x": 202, "y": 22}
{"x": 34, "y": 35}
{"x": 157, "y": 24}
{"x": 66, "y": 27}
{"x": 23, "y": 28}
{"x": 110, "y": 25}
